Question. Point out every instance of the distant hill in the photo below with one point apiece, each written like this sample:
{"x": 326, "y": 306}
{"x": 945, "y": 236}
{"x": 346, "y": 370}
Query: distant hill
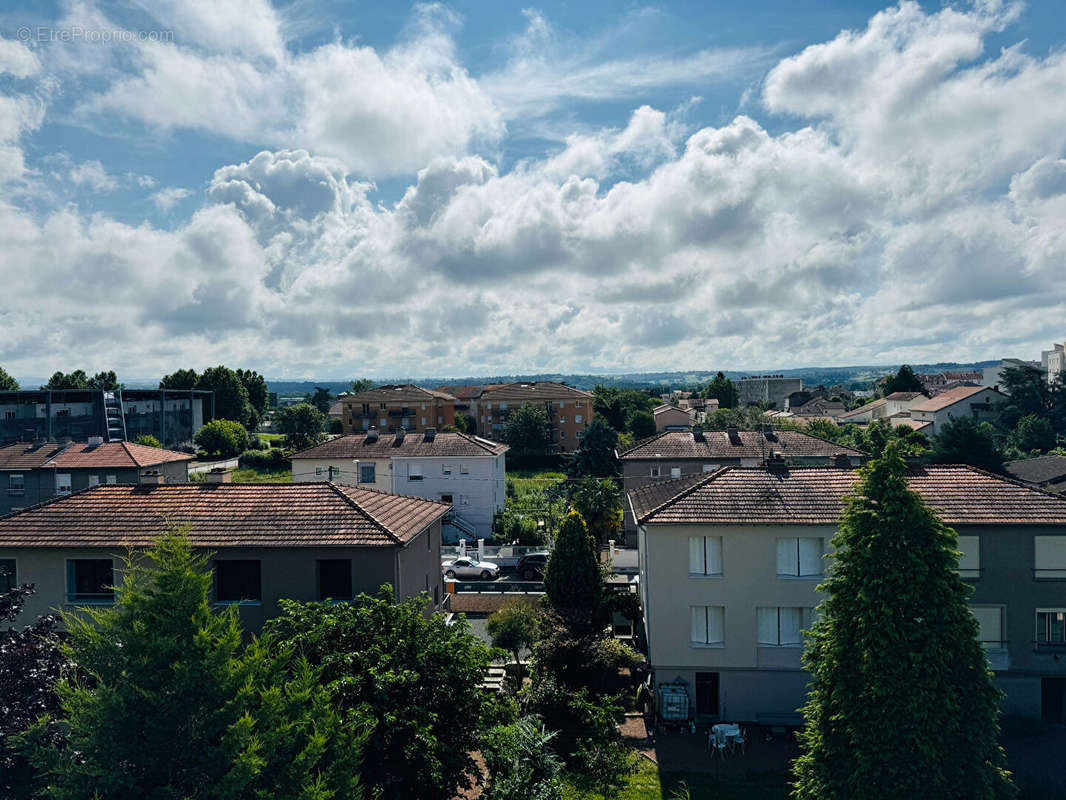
{"x": 856, "y": 377}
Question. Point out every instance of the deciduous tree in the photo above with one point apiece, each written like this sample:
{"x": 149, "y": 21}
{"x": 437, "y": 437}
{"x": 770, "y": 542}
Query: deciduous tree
{"x": 527, "y": 430}
{"x": 222, "y": 437}
{"x": 179, "y": 379}
{"x": 901, "y": 701}
{"x": 231, "y": 398}
{"x": 964, "y": 440}
{"x": 595, "y": 454}
{"x": 7, "y": 383}
{"x": 723, "y": 390}
{"x": 513, "y": 627}
{"x": 641, "y": 424}
{"x": 301, "y": 424}
{"x": 75, "y": 380}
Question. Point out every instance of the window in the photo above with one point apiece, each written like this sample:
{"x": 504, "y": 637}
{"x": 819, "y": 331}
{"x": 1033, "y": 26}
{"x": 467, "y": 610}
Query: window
{"x": 780, "y": 627}
{"x": 423, "y": 406}
{"x": 16, "y": 485}
{"x": 318, "y": 471}
{"x": 384, "y": 422}
{"x": 238, "y": 581}
{"x": 708, "y": 626}
{"x": 94, "y": 480}
{"x": 366, "y": 409}
{"x": 414, "y": 472}
{"x": 970, "y": 560}
{"x": 464, "y": 469}
{"x": 705, "y": 555}
{"x": 675, "y": 472}
{"x": 710, "y": 467}
{"x": 446, "y": 469}
{"x": 503, "y": 406}
{"x": 799, "y": 557}
{"x": 111, "y": 480}
{"x": 9, "y": 415}
{"x": 577, "y": 418}
{"x": 90, "y": 580}
{"x": 1050, "y": 626}
{"x": 383, "y": 406}
{"x": 367, "y": 473}
{"x": 62, "y": 483}
{"x": 580, "y": 404}
{"x": 8, "y": 576}
{"x": 562, "y": 434}
{"x": 423, "y": 420}
{"x": 440, "y": 420}
{"x": 1050, "y": 557}
{"x": 335, "y": 579}
{"x": 654, "y": 471}
{"x": 990, "y": 624}
{"x": 366, "y": 423}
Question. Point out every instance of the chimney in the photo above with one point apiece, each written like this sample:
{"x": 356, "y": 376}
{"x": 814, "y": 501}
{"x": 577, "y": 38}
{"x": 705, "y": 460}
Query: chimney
{"x": 733, "y": 432}
{"x": 768, "y": 432}
{"x": 776, "y": 465}
{"x": 220, "y": 475}
{"x": 65, "y": 441}
{"x": 152, "y": 477}
{"x": 429, "y": 435}
{"x": 398, "y": 440}
{"x": 95, "y": 441}
{"x": 371, "y": 435}
{"x": 842, "y": 460}
{"x": 697, "y": 433}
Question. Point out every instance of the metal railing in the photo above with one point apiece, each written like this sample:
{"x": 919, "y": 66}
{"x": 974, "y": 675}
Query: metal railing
{"x": 499, "y": 587}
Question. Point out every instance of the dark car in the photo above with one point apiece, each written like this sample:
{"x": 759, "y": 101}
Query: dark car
{"x": 531, "y": 566}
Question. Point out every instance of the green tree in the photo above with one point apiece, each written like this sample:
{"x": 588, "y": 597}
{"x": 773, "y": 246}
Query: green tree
{"x": 824, "y": 429}
{"x": 231, "y": 398}
{"x": 901, "y": 701}
{"x": 256, "y": 387}
{"x": 585, "y": 659}
{"x": 179, "y": 379}
{"x": 7, "y": 383}
{"x": 527, "y": 430}
{"x": 964, "y": 440}
{"x": 599, "y": 502}
{"x": 361, "y": 385}
{"x": 723, "y": 390}
{"x": 322, "y": 399}
{"x": 641, "y": 424}
{"x": 578, "y": 718}
{"x": 573, "y": 578}
{"x": 148, "y": 441}
{"x": 903, "y": 381}
{"x": 464, "y": 423}
{"x": 616, "y": 405}
{"x": 301, "y": 424}
{"x": 521, "y": 762}
{"x": 513, "y": 627}
{"x": 595, "y": 455}
{"x": 107, "y": 381}
{"x": 1029, "y": 392}
{"x": 414, "y": 674}
{"x": 607, "y": 764}
{"x": 176, "y": 708}
{"x": 222, "y": 437}
{"x": 1033, "y": 433}
{"x": 75, "y": 380}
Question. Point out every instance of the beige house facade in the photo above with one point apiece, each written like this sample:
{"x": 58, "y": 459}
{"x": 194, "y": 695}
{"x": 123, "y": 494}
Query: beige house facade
{"x": 394, "y": 407}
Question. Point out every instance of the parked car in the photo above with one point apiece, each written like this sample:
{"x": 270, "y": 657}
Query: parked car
{"x": 469, "y": 568}
{"x": 531, "y": 566}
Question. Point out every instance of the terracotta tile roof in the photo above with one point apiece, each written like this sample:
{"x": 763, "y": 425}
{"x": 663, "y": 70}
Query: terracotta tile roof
{"x": 534, "y": 390}
{"x": 746, "y": 444}
{"x": 356, "y": 445}
{"x": 109, "y": 455}
{"x": 902, "y": 395}
{"x": 393, "y": 392}
{"x": 1043, "y": 469}
{"x": 467, "y": 391}
{"x": 904, "y": 418}
{"x": 961, "y": 495}
{"x": 950, "y": 398}
{"x": 223, "y": 515}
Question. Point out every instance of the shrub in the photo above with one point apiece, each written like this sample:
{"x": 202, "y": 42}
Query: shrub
{"x": 222, "y": 437}
{"x": 148, "y": 441}
{"x": 264, "y": 459}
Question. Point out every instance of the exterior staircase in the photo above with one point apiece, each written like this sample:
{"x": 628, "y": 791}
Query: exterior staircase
{"x": 454, "y": 528}
{"x": 114, "y": 417}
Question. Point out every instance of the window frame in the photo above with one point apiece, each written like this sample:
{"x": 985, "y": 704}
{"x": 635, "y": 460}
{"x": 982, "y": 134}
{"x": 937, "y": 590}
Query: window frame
{"x": 799, "y": 574}
{"x": 322, "y": 594}
{"x": 373, "y": 467}
{"x": 77, "y": 598}
{"x": 418, "y": 475}
{"x": 20, "y": 489}
{"x": 1053, "y": 573}
{"x": 703, "y": 645}
{"x": 248, "y": 601}
{"x": 703, "y": 550}
{"x": 1048, "y": 643}
{"x": 69, "y": 483}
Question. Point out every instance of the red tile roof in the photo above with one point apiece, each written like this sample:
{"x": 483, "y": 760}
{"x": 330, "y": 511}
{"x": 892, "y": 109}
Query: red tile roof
{"x": 224, "y": 515}
{"x": 394, "y": 392}
{"x": 746, "y": 444}
{"x": 950, "y": 398}
{"x": 357, "y": 445}
{"x": 961, "y": 495}
{"x": 110, "y": 455}
{"x": 534, "y": 390}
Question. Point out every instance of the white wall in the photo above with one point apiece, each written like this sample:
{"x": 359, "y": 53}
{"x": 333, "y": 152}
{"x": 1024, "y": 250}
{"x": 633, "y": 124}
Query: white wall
{"x": 477, "y": 485}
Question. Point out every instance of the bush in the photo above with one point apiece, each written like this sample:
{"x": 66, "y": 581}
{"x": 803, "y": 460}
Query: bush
{"x": 222, "y": 437}
{"x": 148, "y": 441}
{"x": 264, "y": 460}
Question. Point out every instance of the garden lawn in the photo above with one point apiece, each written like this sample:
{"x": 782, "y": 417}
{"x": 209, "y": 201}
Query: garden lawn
{"x": 647, "y": 783}
{"x": 250, "y": 475}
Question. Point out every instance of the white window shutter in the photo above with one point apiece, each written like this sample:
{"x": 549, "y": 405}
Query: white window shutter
{"x": 791, "y": 622}
{"x": 810, "y": 556}
{"x": 713, "y": 549}
{"x": 715, "y": 625}
{"x": 766, "y": 625}
{"x": 699, "y": 624}
{"x": 786, "y": 556}
{"x": 695, "y": 555}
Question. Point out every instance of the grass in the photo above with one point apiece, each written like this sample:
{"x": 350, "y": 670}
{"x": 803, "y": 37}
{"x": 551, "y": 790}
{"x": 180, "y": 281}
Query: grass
{"x": 647, "y": 783}
{"x": 270, "y": 437}
{"x": 249, "y": 475}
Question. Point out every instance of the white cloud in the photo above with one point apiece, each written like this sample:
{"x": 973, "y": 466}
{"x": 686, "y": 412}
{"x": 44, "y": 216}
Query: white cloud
{"x": 914, "y": 207}
{"x": 166, "y": 199}
{"x": 92, "y": 175}
{"x": 18, "y": 60}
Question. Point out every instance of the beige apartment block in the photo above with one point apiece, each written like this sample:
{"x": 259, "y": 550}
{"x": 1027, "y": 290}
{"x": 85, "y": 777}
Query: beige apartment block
{"x": 392, "y": 407}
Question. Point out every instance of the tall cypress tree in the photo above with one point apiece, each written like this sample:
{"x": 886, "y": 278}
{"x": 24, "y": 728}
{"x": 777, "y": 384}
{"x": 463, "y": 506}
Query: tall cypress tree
{"x": 573, "y": 579}
{"x": 901, "y": 701}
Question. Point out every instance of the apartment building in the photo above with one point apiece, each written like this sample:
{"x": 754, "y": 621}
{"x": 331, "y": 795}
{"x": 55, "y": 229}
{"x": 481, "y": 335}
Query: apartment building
{"x": 1054, "y": 361}
{"x": 569, "y": 410}
{"x": 302, "y": 541}
{"x": 977, "y": 402}
{"x": 173, "y": 416}
{"x": 467, "y": 472}
{"x": 767, "y": 389}
{"x": 730, "y": 563}
{"x": 397, "y": 407}
{"x": 35, "y": 472}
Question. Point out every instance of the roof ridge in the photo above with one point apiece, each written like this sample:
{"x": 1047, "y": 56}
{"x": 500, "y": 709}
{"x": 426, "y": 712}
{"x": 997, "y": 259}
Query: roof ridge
{"x": 647, "y": 440}
{"x": 1005, "y": 479}
{"x": 684, "y": 492}
{"x": 374, "y": 520}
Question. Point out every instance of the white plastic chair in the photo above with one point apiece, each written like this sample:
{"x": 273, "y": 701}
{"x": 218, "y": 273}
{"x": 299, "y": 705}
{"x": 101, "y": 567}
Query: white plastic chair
{"x": 718, "y": 744}
{"x": 741, "y": 740}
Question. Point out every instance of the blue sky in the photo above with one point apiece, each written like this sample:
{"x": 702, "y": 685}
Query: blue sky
{"x": 335, "y": 188}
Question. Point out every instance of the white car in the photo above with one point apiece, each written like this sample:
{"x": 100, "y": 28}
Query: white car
{"x": 469, "y": 568}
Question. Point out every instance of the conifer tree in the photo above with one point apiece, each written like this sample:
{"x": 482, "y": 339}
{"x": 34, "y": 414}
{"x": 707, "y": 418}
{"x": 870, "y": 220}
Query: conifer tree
{"x": 573, "y": 579}
{"x": 901, "y": 701}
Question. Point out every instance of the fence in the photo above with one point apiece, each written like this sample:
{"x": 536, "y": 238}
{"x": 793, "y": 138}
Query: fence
{"x": 502, "y": 555}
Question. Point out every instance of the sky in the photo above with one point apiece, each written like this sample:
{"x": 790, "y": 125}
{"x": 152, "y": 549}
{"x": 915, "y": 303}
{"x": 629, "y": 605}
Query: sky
{"x": 326, "y": 189}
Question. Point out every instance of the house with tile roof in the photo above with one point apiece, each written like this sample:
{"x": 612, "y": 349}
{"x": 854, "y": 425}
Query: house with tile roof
{"x": 679, "y": 454}
{"x": 673, "y": 418}
{"x": 1047, "y": 472}
{"x": 888, "y": 406}
{"x": 468, "y": 472}
{"x": 730, "y": 563}
{"x": 977, "y": 402}
{"x": 304, "y": 541}
{"x": 569, "y": 410}
{"x": 31, "y": 473}
{"x": 397, "y": 406}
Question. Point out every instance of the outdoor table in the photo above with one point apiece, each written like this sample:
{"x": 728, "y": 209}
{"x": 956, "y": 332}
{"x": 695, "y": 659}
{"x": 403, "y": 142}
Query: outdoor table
{"x": 728, "y": 730}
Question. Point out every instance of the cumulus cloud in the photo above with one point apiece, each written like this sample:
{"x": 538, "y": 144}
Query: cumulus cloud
{"x": 907, "y": 202}
{"x": 166, "y": 199}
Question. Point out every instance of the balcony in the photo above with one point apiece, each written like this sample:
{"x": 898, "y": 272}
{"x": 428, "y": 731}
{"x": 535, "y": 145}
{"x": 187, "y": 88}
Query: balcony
{"x": 401, "y": 412}
{"x": 16, "y": 491}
